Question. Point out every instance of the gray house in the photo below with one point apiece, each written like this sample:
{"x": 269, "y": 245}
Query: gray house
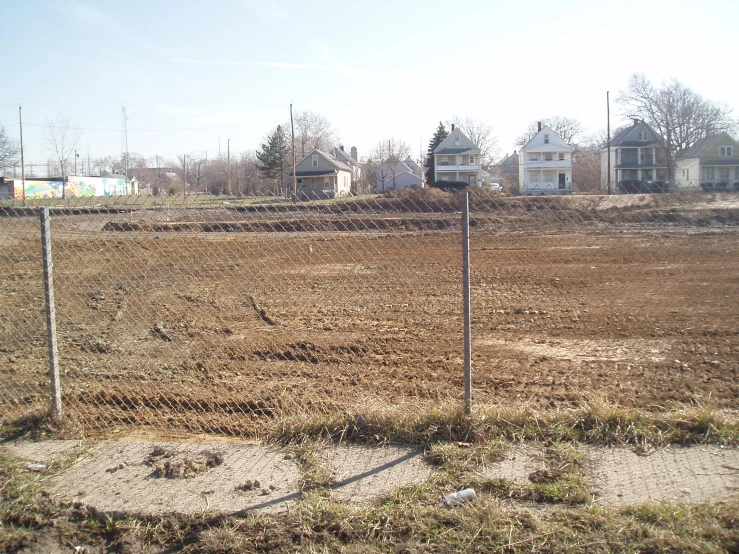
{"x": 350, "y": 160}
{"x": 638, "y": 161}
{"x": 396, "y": 175}
{"x": 320, "y": 175}
{"x": 711, "y": 164}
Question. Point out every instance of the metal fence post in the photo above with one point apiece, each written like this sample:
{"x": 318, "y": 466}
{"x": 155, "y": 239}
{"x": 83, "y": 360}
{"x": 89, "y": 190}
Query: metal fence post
{"x": 56, "y": 388}
{"x": 466, "y": 302}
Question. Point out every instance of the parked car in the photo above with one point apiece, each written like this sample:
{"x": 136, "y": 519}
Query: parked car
{"x": 496, "y": 187}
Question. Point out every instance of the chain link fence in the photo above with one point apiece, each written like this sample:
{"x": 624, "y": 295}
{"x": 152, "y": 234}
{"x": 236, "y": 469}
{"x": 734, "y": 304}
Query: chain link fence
{"x": 203, "y": 314}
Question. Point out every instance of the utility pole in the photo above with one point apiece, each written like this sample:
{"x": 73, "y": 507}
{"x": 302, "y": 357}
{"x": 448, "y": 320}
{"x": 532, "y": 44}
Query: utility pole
{"x": 184, "y": 174}
{"x": 125, "y": 141}
{"x": 88, "y": 160}
{"x": 229, "y": 166}
{"x": 608, "y": 135}
{"x": 295, "y": 177}
{"x": 76, "y": 155}
{"x": 23, "y": 165}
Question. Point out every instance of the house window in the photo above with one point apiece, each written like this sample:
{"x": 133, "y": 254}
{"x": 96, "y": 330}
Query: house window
{"x": 300, "y": 181}
{"x": 444, "y": 160}
{"x": 472, "y": 160}
{"x": 534, "y": 156}
{"x": 313, "y": 181}
{"x": 561, "y": 155}
{"x": 725, "y": 152}
{"x": 709, "y": 173}
{"x": 473, "y": 180}
{"x": 548, "y": 156}
{"x": 546, "y": 139}
{"x": 315, "y": 160}
{"x": 642, "y": 135}
{"x": 534, "y": 177}
{"x": 326, "y": 182}
{"x": 456, "y": 141}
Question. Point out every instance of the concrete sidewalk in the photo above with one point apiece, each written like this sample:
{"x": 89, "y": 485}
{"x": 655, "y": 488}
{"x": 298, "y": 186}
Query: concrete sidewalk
{"x": 148, "y": 478}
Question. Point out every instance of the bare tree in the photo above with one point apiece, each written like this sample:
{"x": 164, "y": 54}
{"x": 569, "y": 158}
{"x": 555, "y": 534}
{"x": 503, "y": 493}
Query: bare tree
{"x": 569, "y": 129}
{"x": 62, "y": 139}
{"x": 677, "y": 113}
{"x": 481, "y": 133}
{"x": 312, "y": 132}
{"x": 9, "y": 150}
{"x": 387, "y": 156}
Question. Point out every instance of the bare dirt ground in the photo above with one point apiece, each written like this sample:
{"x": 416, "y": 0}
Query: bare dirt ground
{"x": 207, "y": 327}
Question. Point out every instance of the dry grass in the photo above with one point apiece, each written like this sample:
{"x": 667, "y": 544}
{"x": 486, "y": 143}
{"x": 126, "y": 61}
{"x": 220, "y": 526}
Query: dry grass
{"x": 593, "y": 421}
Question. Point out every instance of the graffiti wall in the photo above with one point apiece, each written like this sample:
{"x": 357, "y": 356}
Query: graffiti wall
{"x": 76, "y": 186}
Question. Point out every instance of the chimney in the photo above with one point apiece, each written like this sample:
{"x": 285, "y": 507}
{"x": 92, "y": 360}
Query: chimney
{"x": 452, "y": 127}
{"x": 539, "y": 124}
{"x": 354, "y": 152}
{"x": 341, "y": 147}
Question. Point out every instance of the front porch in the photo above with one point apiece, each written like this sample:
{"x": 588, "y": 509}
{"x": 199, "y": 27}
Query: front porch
{"x": 472, "y": 178}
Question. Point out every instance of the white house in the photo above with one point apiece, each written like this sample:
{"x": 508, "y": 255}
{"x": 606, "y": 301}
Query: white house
{"x": 457, "y": 158}
{"x": 320, "y": 175}
{"x": 391, "y": 176}
{"x": 712, "y": 164}
{"x": 545, "y": 164}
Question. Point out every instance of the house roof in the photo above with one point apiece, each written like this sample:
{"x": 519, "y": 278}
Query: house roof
{"x": 330, "y": 159}
{"x": 317, "y": 173}
{"x": 510, "y": 160}
{"x": 620, "y": 138}
{"x": 340, "y": 155}
{"x": 461, "y": 145}
{"x": 551, "y": 146}
{"x": 702, "y": 146}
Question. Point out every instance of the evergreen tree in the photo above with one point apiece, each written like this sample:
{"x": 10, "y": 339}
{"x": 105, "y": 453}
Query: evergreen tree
{"x": 440, "y": 134}
{"x": 274, "y": 157}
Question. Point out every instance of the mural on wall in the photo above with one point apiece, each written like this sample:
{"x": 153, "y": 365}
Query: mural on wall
{"x": 39, "y": 189}
{"x": 76, "y": 186}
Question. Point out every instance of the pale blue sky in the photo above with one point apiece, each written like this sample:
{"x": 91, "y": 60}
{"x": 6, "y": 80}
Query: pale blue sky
{"x": 230, "y": 68}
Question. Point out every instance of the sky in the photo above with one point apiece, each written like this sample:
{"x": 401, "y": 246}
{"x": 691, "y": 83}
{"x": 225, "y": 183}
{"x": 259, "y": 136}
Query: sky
{"x": 196, "y": 74}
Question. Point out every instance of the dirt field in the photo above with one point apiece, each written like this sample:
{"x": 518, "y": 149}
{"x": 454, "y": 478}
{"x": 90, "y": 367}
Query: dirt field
{"x": 180, "y": 321}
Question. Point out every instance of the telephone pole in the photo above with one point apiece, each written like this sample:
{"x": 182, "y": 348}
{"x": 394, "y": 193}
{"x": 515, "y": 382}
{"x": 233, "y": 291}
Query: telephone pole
{"x": 608, "y": 134}
{"x": 124, "y": 141}
{"x": 184, "y": 175}
{"x": 295, "y": 177}
{"x": 229, "y": 166}
{"x": 23, "y": 165}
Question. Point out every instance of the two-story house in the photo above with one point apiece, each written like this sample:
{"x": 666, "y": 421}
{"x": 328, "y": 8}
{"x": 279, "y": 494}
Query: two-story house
{"x": 457, "y": 159}
{"x": 545, "y": 164}
{"x": 638, "y": 161}
{"x": 320, "y": 175}
{"x": 349, "y": 159}
{"x": 712, "y": 164}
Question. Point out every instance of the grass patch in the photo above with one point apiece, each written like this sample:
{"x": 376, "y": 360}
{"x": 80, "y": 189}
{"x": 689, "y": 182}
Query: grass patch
{"x": 592, "y": 422}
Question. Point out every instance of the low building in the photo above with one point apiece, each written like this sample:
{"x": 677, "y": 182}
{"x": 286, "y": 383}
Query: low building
{"x": 391, "y": 176}
{"x": 505, "y": 173}
{"x": 711, "y": 165}
{"x": 75, "y": 186}
{"x": 545, "y": 164}
{"x": 319, "y": 175}
{"x": 638, "y": 161}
